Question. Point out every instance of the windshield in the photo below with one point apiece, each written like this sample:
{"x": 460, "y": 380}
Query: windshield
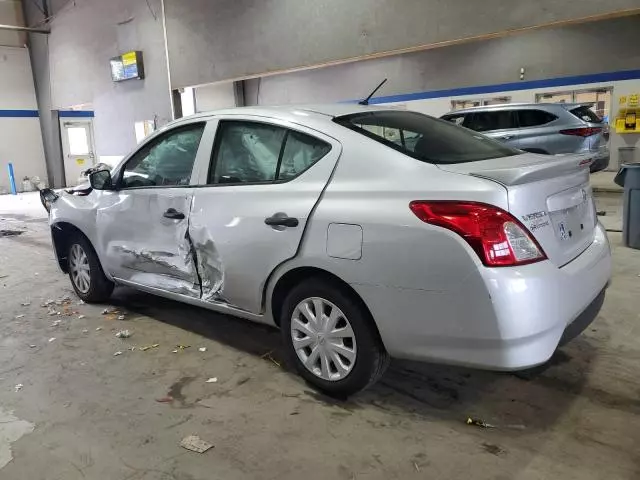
{"x": 425, "y": 138}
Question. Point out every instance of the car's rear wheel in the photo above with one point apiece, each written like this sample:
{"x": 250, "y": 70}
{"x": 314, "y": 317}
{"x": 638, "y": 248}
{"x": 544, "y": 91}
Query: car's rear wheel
{"x": 85, "y": 272}
{"x": 331, "y": 339}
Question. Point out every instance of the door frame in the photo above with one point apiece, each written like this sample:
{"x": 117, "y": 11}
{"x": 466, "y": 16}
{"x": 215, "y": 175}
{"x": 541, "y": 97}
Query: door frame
{"x": 68, "y": 121}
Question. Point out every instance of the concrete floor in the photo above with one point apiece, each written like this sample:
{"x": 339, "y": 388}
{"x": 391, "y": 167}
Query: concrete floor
{"x": 83, "y": 413}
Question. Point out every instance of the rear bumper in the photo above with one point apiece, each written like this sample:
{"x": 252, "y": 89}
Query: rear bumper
{"x": 500, "y": 318}
{"x": 600, "y": 163}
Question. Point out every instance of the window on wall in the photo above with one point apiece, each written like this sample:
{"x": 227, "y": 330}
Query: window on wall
{"x": 478, "y": 102}
{"x": 252, "y": 152}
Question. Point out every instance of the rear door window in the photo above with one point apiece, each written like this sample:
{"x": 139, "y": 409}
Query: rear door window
{"x": 492, "y": 120}
{"x": 534, "y": 118}
{"x": 425, "y": 138}
{"x": 585, "y": 114}
{"x": 252, "y": 152}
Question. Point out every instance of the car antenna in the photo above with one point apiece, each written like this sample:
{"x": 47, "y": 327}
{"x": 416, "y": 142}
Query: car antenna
{"x": 366, "y": 100}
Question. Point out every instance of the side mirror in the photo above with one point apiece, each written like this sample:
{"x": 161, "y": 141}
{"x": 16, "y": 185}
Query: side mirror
{"x": 101, "y": 180}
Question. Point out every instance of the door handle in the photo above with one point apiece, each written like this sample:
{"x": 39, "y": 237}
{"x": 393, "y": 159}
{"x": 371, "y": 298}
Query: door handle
{"x": 173, "y": 214}
{"x": 281, "y": 220}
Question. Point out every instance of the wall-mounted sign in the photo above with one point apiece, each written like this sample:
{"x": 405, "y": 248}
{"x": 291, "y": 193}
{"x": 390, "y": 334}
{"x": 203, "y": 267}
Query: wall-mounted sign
{"x": 127, "y": 66}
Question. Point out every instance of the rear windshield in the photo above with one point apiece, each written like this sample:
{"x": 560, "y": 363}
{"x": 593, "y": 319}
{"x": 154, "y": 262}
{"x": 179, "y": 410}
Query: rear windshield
{"x": 585, "y": 114}
{"x": 425, "y": 138}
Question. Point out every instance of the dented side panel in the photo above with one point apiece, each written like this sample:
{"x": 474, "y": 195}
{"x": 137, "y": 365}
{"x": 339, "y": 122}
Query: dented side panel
{"x": 141, "y": 245}
{"x": 236, "y": 251}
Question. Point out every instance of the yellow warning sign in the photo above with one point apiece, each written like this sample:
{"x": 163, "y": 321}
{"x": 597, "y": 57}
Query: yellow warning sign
{"x": 129, "y": 58}
{"x": 80, "y": 161}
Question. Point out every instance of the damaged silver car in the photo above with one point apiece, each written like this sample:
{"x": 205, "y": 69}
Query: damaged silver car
{"x": 361, "y": 232}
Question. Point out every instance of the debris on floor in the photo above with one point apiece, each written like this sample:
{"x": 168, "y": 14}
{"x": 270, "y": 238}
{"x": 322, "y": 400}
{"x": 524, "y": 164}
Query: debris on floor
{"x": 80, "y": 302}
{"x": 212, "y": 380}
{"x": 123, "y": 334}
{"x": 56, "y": 323}
{"x": 18, "y": 387}
{"x": 601, "y": 213}
{"x": 180, "y": 348}
{"x": 267, "y": 356}
{"x": 98, "y": 329}
{"x": 105, "y": 311}
{"x": 166, "y": 399}
{"x": 10, "y": 233}
{"x": 80, "y": 317}
{"x": 117, "y": 354}
{"x": 52, "y": 311}
{"x": 195, "y": 444}
{"x": 18, "y": 317}
{"x": 85, "y": 331}
{"x": 202, "y": 349}
{"x": 149, "y": 347}
{"x": 52, "y": 339}
{"x": 32, "y": 346}
{"x": 479, "y": 423}
{"x": 25, "y": 304}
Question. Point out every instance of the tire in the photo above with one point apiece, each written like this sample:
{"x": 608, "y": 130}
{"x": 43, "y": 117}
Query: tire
{"x": 367, "y": 358}
{"x": 99, "y": 287}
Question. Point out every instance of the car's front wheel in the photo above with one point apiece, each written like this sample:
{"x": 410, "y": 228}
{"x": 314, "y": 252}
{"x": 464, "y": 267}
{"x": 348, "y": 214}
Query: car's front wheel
{"x": 331, "y": 339}
{"x": 85, "y": 272}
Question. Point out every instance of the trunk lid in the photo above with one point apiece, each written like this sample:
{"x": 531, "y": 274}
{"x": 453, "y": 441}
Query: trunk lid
{"x": 550, "y": 195}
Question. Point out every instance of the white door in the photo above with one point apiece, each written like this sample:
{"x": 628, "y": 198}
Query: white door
{"x": 77, "y": 148}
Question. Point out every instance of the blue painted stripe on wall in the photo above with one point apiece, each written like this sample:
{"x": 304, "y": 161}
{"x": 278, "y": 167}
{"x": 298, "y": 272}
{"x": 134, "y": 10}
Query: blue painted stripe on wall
{"x": 77, "y": 114}
{"x": 508, "y": 87}
{"x": 18, "y": 113}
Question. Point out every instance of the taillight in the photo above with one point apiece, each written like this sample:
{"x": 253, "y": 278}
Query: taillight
{"x": 495, "y": 235}
{"x": 582, "y": 132}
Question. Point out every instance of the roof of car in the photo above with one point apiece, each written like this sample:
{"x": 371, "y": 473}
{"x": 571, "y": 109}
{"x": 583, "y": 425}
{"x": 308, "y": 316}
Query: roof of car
{"x": 513, "y": 106}
{"x": 323, "y": 111}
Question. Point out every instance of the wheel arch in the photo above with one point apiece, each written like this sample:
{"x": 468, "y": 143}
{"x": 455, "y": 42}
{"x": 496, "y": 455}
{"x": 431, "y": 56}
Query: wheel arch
{"x": 61, "y": 234}
{"x": 294, "y": 276}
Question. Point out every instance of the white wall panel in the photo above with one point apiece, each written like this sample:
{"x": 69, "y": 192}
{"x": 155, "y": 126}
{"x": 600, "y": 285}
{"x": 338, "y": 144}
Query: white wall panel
{"x": 20, "y": 135}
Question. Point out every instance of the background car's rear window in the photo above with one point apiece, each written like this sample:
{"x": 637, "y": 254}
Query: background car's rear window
{"x": 585, "y": 113}
{"x": 425, "y": 138}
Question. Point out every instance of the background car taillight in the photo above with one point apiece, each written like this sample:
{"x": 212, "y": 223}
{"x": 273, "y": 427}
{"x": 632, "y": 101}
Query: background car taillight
{"x": 582, "y": 132}
{"x": 496, "y": 236}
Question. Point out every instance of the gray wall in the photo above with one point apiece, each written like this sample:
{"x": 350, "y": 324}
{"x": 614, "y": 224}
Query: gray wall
{"x": 213, "y": 40}
{"x": 84, "y": 36}
{"x": 39, "y": 53}
{"x": 604, "y": 46}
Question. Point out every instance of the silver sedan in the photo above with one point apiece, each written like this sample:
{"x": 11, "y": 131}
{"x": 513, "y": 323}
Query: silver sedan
{"x": 361, "y": 232}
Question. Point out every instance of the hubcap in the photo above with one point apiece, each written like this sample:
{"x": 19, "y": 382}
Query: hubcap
{"x": 79, "y": 268}
{"x": 323, "y": 339}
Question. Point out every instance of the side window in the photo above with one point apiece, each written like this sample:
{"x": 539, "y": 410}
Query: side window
{"x": 300, "y": 152}
{"x": 534, "y": 118}
{"x": 167, "y": 161}
{"x": 252, "y": 152}
{"x": 492, "y": 120}
{"x": 456, "y": 118}
{"x": 246, "y": 152}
